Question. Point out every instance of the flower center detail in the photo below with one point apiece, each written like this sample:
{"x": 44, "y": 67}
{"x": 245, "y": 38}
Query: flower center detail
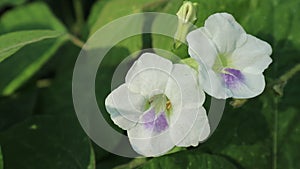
{"x": 232, "y": 77}
{"x": 221, "y": 62}
{"x": 158, "y": 108}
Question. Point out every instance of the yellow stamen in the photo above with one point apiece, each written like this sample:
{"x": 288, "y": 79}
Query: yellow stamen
{"x": 168, "y": 105}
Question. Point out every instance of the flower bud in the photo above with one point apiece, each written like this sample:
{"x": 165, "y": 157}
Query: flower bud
{"x": 187, "y": 12}
{"x": 186, "y": 16}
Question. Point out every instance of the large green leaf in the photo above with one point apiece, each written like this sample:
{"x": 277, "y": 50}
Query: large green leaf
{"x": 28, "y": 60}
{"x": 18, "y": 107}
{"x": 57, "y": 98}
{"x": 106, "y": 11}
{"x": 243, "y": 136}
{"x": 12, "y": 42}
{"x": 190, "y": 160}
{"x": 32, "y": 16}
{"x": 288, "y": 137}
{"x": 47, "y": 142}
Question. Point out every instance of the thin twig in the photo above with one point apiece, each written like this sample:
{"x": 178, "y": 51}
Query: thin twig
{"x": 79, "y": 15}
{"x": 76, "y": 41}
{"x": 288, "y": 75}
{"x": 281, "y": 82}
{"x": 275, "y": 133}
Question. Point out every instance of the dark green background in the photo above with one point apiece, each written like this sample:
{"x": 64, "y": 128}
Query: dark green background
{"x": 38, "y": 125}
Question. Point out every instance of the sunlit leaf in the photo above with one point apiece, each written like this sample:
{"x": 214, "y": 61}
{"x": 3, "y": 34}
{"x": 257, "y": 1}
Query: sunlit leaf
{"x": 29, "y": 59}
{"x": 12, "y": 42}
{"x": 32, "y": 16}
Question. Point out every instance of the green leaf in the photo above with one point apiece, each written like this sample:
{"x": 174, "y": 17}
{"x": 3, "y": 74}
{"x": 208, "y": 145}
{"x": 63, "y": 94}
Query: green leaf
{"x": 106, "y": 11}
{"x": 244, "y": 134}
{"x": 29, "y": 59}
{"x": 1, "y": 159}
{"x": 32, "y": 16}
{"x": 288, "y": 138}
{"x": 18, "y": 107}
{"x": 12, "y": 42}
{"x": 56, "y": 99}
{"x": 4, "y": 3}
{"x": 26, "y": 62}
{"x": 47, "y": 142}
{"x": 288, "y": 128}
{"x": 188, "y": 159}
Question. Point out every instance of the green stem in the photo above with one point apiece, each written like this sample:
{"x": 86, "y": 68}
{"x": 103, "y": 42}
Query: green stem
{"x": 79, "y": 15}
{"x": 76, "y": 41}
{"x": 288, "y": 75}
{"x": 133, "y": 164}
{"x": 278, "y": 87}
{"x": 281, "y": 82}
{"x": 275, "y": 133}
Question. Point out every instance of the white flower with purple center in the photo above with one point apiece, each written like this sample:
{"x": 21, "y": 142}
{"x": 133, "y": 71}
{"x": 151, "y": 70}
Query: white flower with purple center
{"x": 160, "y": 106}
{"x": 231, "y": 62}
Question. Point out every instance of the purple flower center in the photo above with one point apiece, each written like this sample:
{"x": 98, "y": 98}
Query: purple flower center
{"x": 156, "y": 122}
{"x": 232, "y": 77}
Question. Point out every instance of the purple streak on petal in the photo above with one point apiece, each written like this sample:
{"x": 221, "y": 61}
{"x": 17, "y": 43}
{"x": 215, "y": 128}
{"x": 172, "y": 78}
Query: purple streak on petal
{"x": 155, "y": 123}
{"x": 232, "y": 77}
{"x": 161, "y": 123}
{"x": 148, "y": 119}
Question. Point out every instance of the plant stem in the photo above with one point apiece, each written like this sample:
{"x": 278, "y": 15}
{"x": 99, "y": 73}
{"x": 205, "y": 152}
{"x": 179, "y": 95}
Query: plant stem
{"x": 79, "y": 15}
{"x": 290, "y": 73}
{"x": 278, "y": 87}
{"x": 275, "y": 133}
{"x": 281, "y": 82}
{"x": 76, "y": 41}
{"x": 133, "y": 164}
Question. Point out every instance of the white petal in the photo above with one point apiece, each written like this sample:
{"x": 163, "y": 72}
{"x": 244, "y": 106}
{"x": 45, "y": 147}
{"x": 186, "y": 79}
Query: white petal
{"x": 201, "y": 47}
{"x": 253, "y": 56}
{"x": 186, "y": 98}
{"x": 149, "y": 74}
{"x": 125, "y": 107}
{"x": 183, "y": 91}
{"x": 252, "y": 86}
{"x": 190, "y": 128}
{"x": 213, "y": 83}
{"x": 182, "y": 88}
{"x": 225, "y": 32}
{"x": 149, "y": 143}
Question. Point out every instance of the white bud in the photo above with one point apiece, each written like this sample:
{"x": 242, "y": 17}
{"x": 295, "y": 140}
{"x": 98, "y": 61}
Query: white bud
{"x": 186, "y": 16}
{"x": 187, "y": 12}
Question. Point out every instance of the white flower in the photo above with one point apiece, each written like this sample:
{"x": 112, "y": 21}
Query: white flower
{"x": 160, "y": 106}
{"x": 231, "y": 62}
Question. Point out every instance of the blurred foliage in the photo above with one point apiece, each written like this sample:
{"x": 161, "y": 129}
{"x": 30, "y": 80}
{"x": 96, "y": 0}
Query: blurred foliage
{"x": 39, "y": 45}
{"x": 1, "y": 160}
